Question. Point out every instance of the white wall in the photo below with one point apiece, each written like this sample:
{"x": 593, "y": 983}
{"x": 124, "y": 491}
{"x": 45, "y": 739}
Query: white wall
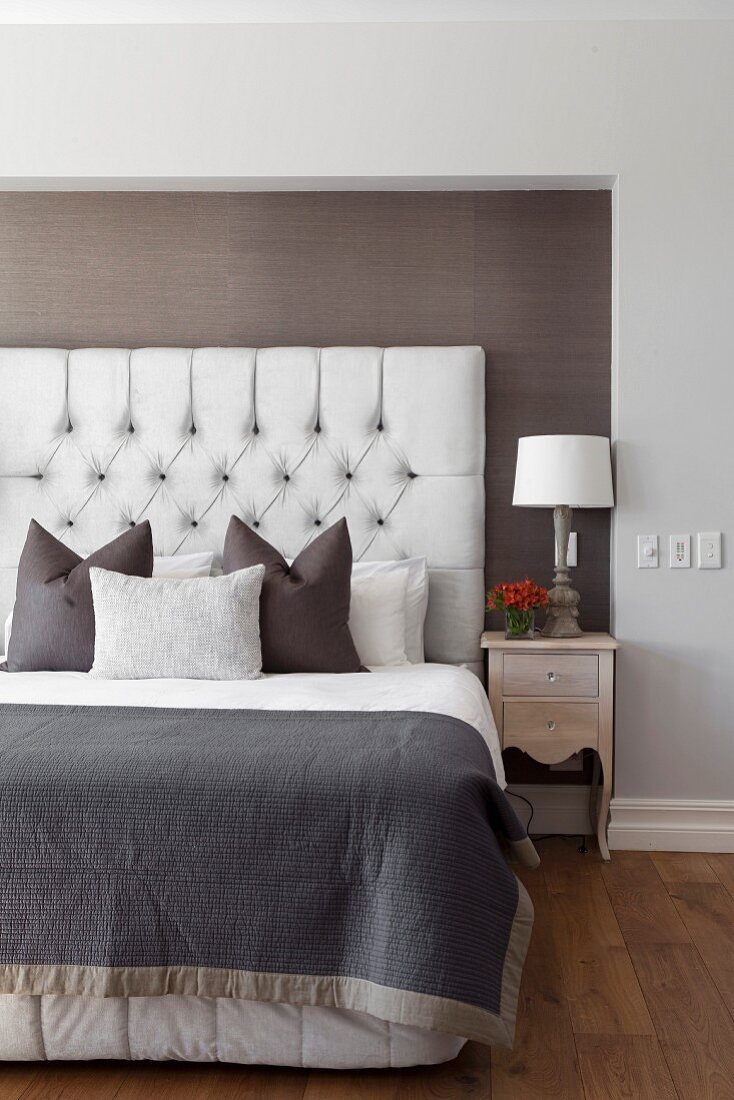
{"x": 649, "y": 101}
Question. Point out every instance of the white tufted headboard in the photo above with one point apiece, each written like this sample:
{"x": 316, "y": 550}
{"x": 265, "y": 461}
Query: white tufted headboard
{"x": 290, "y": 439}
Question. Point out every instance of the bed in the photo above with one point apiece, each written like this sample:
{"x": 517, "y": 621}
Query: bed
{"x": 290, "y": 439}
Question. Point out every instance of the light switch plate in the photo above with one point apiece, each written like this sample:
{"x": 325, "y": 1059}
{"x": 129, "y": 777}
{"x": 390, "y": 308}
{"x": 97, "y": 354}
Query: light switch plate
{"x": 709, "y": 549}
{"x": 680, "y": 551}
{"x": 647, "y": 552}
{"x": 573, "y": 553}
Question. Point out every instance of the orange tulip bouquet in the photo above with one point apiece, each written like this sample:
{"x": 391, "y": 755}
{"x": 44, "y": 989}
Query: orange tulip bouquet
{"x": 519, "y": 601}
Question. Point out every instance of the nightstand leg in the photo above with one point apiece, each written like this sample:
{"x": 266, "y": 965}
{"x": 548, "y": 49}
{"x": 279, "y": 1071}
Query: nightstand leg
{"x": 594, "y": 792}
{"x": 601, "y": 826}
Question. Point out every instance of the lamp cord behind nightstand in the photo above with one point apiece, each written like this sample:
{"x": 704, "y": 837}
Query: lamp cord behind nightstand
{"x": 582, "y": 848}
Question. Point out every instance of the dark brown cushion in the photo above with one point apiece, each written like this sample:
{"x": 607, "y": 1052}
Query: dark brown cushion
{"x": 53, "y": 617}
{"x": 304, "y": 609}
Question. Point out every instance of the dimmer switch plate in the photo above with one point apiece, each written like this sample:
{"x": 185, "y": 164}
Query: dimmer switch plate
{"x": 647, "y": 552}
{"x": 680, "y": 551}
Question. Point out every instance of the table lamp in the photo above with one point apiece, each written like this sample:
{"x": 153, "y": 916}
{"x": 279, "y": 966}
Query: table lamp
{"x": 563, "y": 472}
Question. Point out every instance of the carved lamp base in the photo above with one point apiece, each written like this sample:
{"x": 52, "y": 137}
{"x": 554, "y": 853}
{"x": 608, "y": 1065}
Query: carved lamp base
{"x": 563, "y": 609}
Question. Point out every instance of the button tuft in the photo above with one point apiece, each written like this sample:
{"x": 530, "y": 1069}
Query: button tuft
{"x": 131, "y": 523}
{"x": 100, "y": 477}
{"x": 162, "y": 477}
{"x": 193, "y": 429}
{"x": 380, "y": 522}
{"x": 225, "y": 477}
{"x": 317, "y": 523}
{"x": 70, "y": 523}
{"x": 286, "y": 477}
{"x": 131, "y": 429}
{"x": 411, "y": 474}
{"x": 348, "y": 475}
{"x": 256, "y": 523}
{"x": 194, "y": 523}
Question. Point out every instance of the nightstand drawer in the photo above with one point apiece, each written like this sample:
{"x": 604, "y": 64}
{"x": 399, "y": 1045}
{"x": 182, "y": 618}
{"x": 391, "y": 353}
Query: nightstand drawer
{"x": 550, "y": 731}
{"x": 551, "y": 674}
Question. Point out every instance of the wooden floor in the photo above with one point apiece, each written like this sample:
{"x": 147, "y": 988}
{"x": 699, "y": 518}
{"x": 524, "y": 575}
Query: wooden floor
{"x": 628, "y": 992}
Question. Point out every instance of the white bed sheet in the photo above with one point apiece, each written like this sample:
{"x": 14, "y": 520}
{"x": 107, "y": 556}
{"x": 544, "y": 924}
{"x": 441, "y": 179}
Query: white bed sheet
{"x": 441, "y": 689}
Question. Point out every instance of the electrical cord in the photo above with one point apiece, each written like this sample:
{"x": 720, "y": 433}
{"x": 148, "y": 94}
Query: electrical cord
{"x": 527, "y": 803}
{"x": 582, "y": 848}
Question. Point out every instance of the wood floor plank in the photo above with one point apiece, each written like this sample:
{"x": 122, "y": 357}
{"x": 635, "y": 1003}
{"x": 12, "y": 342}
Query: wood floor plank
{"x": 16, "y": 1078}
{"x": 619, "y": 1067}
{"x": 353, "y": 1085}
{"x": 603, "y": 994}
{"x": 187, "y": 1081}
{"x": 723, "y": 867}
{"x": 642, "y": 905}
{"x": 599, "y": 981}
{"x": 707, "y": 909}
{"x": 543, "y": 1062}
{"x": 76, "y": 1081}
{"x": 695, "y": 1031}
{"x": 683, "y": 867}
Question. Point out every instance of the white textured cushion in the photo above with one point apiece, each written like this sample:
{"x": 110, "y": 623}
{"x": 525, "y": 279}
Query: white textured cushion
{"x": 203, "y": 629}
{"x": 416, "y": 598}
{"x": 377, "y": 617}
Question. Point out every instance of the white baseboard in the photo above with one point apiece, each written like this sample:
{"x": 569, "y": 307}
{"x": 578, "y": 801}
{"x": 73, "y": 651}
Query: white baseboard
{"x": 558, "y": 807}
{"x": 671, "y": 825}
{"x": 637, "y": 824}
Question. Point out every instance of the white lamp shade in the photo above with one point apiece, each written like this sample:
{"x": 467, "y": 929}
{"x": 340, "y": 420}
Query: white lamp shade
{"x": 563, "y": 469}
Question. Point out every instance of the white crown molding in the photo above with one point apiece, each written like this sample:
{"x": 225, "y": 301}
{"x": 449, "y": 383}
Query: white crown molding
{"x": 671, "y": 825}
{"x": 308, "y": 183}
{"x": 70, "y": 12}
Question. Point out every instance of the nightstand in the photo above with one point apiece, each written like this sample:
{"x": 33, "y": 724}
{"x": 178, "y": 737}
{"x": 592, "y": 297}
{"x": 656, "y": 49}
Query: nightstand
{"x": 552, "y": 697}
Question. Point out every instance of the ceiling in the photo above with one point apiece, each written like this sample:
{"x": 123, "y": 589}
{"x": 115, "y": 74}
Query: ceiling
{"x": 352, "y": 11}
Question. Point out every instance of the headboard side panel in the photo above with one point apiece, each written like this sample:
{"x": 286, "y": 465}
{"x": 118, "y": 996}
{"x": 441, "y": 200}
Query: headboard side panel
{"x": 290, "y": 439}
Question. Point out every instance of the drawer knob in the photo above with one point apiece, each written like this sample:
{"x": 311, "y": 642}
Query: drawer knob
{"x": 552, "y": 677}
{"x": 551, "y": 724}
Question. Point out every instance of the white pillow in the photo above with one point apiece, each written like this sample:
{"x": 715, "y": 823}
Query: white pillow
{"x": 416, "y": 598}
{"x": 201, "y": 628}
{"x": 377, "y": 617}
{"x": 184, "y": 565}
{"x": 177, "y": 566}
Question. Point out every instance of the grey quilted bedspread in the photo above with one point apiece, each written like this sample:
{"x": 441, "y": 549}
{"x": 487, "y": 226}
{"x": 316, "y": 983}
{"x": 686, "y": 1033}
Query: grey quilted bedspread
{"x": 349, "y": 859}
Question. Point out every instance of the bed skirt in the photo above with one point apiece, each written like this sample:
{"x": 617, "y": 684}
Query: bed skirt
{"x": 211, "y": 1029}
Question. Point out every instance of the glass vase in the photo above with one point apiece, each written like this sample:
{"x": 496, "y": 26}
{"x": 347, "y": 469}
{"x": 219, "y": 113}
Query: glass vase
{"x": 519, "y": 625}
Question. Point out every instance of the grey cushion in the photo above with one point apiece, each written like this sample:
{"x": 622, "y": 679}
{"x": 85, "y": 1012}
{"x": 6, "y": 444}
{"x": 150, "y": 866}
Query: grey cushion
{"x": 205, "y": 628}
{"x": 304, "y": 609}
{"x": 53, "y": 620}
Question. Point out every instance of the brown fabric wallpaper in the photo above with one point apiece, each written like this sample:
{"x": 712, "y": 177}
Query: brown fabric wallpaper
{"x": 526, "y": 274}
